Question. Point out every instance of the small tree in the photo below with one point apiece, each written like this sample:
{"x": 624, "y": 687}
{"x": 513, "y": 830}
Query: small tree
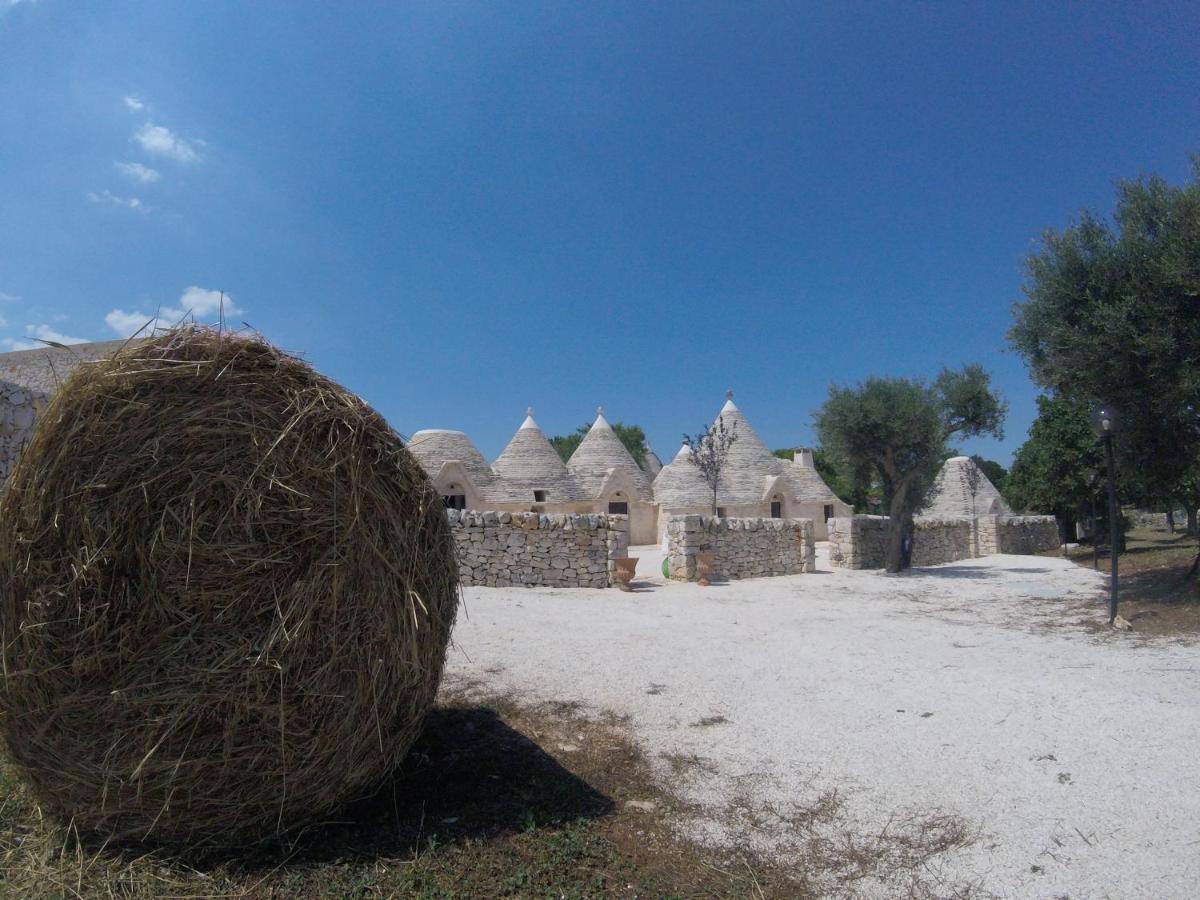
{"x": 893, "y": 431}
{"x": 709, "y": 451}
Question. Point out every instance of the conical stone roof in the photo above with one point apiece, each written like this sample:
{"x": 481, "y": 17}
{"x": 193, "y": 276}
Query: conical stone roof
{"x": 600, "y": 452}
{"x": 434, "y": 446}
{"x": 747, "y": 472}
{"x": 529, "y": 463}
{"x": 680, "y": 484}
{"x": 653, "y": 463}
{"x": 950, "y": 495}
{"x": 749, "y": 459}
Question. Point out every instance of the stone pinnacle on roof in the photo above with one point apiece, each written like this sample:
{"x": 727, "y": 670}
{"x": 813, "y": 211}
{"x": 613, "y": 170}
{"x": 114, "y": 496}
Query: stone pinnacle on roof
{"x": 599, "y": 453}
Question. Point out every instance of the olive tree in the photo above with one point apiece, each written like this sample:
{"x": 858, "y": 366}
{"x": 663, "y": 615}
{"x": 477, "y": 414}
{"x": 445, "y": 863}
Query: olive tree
{"x": 894, "y": 431}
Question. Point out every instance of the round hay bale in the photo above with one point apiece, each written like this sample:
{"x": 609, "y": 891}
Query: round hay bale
{"x": 228, "y": 591}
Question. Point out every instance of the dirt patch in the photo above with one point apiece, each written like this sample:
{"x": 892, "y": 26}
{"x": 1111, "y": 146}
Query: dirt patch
{"x": 1158, "y": 595}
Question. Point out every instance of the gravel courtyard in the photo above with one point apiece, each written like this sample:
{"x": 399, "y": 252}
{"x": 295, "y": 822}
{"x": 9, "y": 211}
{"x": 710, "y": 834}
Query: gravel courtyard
{"x": 868, "y": 706}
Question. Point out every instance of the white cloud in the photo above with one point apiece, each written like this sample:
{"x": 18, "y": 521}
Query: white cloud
{"x": 6, "y": 5}
{"x": 135, "y": 104}
{"x": 43, "y": 333}
{"x": 195, "y": 302}
{"x": 160, "y": 141}
{"x": 138, "y": 172}
{"x": 8, "y": 298}
{"x": 108, "y": 197}
{"x": 3, "y": 321}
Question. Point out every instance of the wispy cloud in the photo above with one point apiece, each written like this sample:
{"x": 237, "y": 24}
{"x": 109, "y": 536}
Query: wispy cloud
{"x": 6, "y": 5}
{"x": 138, "y": 172}
{"x": 43, "y": 333}
{"x": 134, "y": 104}
{"x": 8, "y": 298}
{"x": 199, "y": 303}
{"x": 109, "y": 198}
{"x": 158, "y": 140}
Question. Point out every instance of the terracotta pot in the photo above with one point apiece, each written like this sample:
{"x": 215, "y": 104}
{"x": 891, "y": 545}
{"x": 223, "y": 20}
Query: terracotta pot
{"x": 626, "y": 566}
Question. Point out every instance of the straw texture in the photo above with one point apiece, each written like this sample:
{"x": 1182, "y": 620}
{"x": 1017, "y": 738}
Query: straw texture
{"x": 228, "y": 590}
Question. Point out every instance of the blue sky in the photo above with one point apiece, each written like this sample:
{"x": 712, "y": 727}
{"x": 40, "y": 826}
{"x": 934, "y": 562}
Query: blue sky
{"x": 460, "y": 210}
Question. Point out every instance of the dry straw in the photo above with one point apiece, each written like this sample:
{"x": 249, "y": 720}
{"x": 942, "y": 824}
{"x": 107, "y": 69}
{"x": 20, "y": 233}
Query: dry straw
{"x": 227, "y": 594}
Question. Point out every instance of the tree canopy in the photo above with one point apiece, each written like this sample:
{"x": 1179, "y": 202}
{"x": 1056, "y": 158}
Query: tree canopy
{"x": 632, "y": 436}
{"x": 894, "y": 431}
{"x": 1058, "y": 470}
{"x": 995, "y": 472}
{"x": 1112, "y": 316}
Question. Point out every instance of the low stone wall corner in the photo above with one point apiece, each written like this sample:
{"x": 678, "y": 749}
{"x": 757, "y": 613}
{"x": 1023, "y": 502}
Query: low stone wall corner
{"x": 742, "y": 547}
{"x": 506, "y": 549}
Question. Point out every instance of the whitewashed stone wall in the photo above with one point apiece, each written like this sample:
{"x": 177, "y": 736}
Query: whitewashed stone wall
{"x": 1017, "y": 534}
{"x": 937, "y": 540}
{"x": 19, "y": 408}
{"x": 743, "y": 548}
{"x": 860, "y": 542}
{"x": 502, "y": 549}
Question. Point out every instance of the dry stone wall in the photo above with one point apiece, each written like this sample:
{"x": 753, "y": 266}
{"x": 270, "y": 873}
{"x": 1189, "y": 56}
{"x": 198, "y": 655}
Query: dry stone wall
{"x": 743, "y": 548}
{"x": 19, "y": 408}
{"x": 860, "y": 542}
{"x": 502, "y": 549}
{"x": 1018, "y": 534}
{"x": 857, "y": 542}
{"x": 937, "y": 540}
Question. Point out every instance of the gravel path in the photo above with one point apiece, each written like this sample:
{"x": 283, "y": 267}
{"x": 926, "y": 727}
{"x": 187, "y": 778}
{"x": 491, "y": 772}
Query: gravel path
{"x": 969, "y": 690}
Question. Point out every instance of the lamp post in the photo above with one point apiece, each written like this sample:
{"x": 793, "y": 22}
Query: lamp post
{"x": 1104, "y": 423}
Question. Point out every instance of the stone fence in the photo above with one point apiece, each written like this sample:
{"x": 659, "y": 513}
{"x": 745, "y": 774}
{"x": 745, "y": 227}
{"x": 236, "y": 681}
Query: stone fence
{"x": 1017, "y": 534}
{"x": 860, "y": 542}
{"x": 743, "y": 548}
{"x": 502, "y": 549}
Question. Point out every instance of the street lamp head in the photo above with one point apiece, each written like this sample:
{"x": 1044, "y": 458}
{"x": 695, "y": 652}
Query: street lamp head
{"x": 1104, "y": 421}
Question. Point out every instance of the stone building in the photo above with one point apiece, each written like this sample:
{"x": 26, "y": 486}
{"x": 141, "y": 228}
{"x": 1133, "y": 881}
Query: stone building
{"x": 962, "y": 490}
{"x": 755, "y": 482}
{"x": 602, "y": 477}
{"x": 28, "y": 378}
{"x": 530, "y": 476}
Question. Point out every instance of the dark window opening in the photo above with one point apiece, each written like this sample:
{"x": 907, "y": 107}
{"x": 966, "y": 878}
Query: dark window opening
{"x": 618, "y": 509}
{"x": 539, "y": 496}
{"x": 776, "y": 509}
{"x": 455, "y": 501}
{"x": 828, "y": 511}
{"x": 721, "y": 511}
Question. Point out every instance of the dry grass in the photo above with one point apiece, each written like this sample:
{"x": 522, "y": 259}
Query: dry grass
{"x": 229, "y": 590}
{"x": 1158, "y": 596}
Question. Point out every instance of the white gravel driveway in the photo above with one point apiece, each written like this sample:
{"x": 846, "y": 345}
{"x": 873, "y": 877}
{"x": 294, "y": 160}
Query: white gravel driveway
{"x": 967, "y": 689}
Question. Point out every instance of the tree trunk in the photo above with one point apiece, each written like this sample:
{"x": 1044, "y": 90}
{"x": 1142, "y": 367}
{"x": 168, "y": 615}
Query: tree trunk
{"x": 1191, "y": 519}
{"x": 1171, "y": 520}
{"x": 898, "y": 522}
{"x": 714, "y": 501}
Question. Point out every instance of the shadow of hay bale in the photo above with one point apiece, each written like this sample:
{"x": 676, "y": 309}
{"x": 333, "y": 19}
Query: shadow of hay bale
{"x": 468, "y": 777}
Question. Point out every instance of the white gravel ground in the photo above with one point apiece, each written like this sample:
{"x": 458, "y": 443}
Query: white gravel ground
{"x": 967, "y": 689}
